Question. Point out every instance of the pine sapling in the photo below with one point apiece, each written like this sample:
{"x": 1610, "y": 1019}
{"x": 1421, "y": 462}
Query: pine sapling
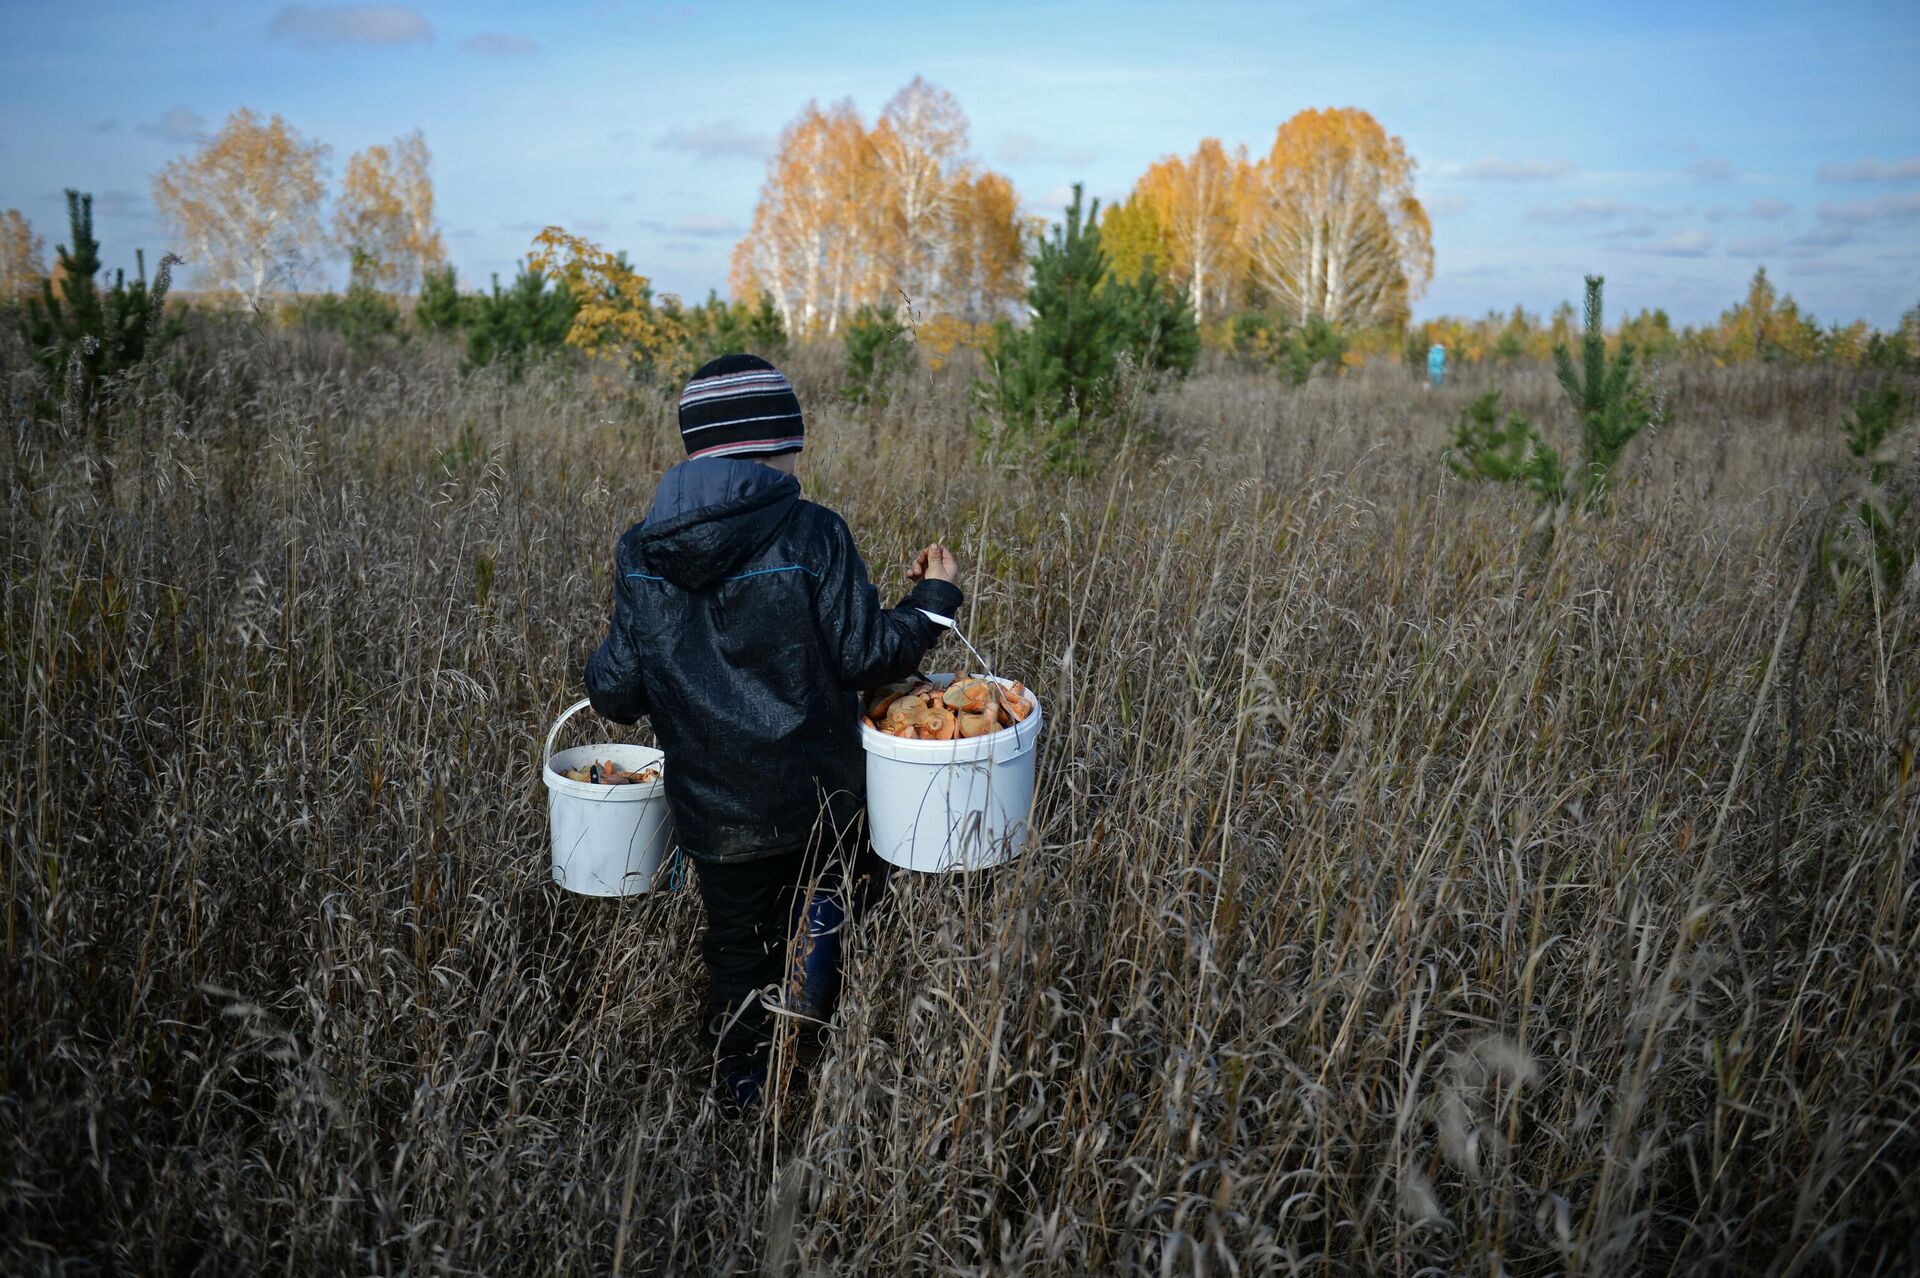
{"x": 1609, "y": 399}
{"x": 1508, "y": 452}
{"x": 1875, "y": 528}
{"x": 1610, "y": 402}
{"x": 81, "y": 332}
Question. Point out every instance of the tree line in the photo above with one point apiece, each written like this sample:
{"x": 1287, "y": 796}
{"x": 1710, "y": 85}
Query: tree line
{"x": 1765, "y": 326}
{"x": 1305, "y": 257}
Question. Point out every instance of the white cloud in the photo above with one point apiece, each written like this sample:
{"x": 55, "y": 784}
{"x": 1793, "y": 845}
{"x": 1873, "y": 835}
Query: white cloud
{"x": 119, "y": 204}
{"x": 1683, "y": 244}
{"x": 1764, "y": 208}
{"x": 497, "y": 44}
{"x": 1490, "y": 169}
{"x": 1024, "y": 148}
{"x": 696, "y": 226}
{"x": 1872, "y": 170}
{"x": 1827, "y": 237}
{"x": 1886, "y": 208}
{"x": 717, "y": 139}
{"x": 1811, "y": 244}
{"x": 1584, "y": 212}
{"x": 176, "y": 124}
{"x": 706, "y": 228}
{"x": 1710, "y": 170}
{"x": 313, "y": 26}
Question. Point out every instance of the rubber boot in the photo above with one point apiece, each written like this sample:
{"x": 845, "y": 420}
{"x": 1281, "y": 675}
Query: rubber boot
{"x": 816, "y": 976}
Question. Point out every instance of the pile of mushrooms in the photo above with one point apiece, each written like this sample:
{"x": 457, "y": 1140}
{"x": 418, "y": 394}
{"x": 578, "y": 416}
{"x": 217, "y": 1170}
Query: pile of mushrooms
{"x": 968, "y": 707}
{"x": 607, "y": 772}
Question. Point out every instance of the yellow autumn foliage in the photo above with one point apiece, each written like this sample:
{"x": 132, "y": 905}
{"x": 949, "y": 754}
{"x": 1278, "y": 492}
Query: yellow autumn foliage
{"x": 616, "y": 321}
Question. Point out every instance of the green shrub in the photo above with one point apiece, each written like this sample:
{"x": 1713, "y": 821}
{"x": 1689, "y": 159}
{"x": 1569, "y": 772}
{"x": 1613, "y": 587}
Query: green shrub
{"x": 80, "y": 332}
{"x": 1873, "y": 531}
{"x": 879, "y": 352}
{"x": 518, "y": 326}
{"x": 1265, "y": 339}
{"x": 1154, "y": 322}
{"x": 715, "y": 328}
{"x": 441, "y": 309}
{"x": 1509, "y": 452}
{"x": 363, "y": 315}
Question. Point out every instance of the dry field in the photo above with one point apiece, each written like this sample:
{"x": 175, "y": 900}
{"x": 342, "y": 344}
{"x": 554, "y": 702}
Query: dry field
{"x": 1411, "y": 897}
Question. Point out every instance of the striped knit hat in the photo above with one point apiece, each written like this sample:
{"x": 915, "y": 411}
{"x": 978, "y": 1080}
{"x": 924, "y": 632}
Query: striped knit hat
{"x": 739, "y": 405}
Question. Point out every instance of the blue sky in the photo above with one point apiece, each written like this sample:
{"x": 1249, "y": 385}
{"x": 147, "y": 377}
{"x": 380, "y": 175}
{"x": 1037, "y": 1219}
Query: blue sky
{"x": 1672, "y": 146}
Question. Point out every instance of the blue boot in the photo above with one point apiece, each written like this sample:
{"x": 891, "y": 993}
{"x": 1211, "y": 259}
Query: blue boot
{"x": 816, "y": 976}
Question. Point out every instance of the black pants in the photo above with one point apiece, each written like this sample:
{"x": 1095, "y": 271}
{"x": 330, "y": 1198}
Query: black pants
{"x": 751, "y": 912}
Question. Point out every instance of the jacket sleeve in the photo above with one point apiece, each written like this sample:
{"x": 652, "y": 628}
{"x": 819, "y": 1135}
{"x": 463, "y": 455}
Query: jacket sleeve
{"x": 867, "y": 644}
{"x": 613, "y": 671}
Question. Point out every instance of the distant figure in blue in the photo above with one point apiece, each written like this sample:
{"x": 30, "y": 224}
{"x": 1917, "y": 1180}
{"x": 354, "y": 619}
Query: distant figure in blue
{"x": 1437, "y": 364}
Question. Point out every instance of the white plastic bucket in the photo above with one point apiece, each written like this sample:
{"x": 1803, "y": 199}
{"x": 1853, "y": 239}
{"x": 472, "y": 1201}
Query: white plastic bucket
{"x": 608, "y": 840}
{"x": 964, "y": 804}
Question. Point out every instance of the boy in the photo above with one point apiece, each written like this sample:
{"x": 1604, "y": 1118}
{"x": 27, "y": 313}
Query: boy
{"x": 743, "y": 626}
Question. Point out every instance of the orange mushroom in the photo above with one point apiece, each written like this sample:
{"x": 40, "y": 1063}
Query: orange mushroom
{"x": 977, "y": 724}
{"x": 966, "y": 706}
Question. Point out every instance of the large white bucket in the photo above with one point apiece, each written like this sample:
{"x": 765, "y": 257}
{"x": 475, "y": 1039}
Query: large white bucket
{"x": 608, "y": 840}
{"x": 951, "y": 805}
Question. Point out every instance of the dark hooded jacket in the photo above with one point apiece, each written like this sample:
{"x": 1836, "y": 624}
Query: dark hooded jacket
{"x": 743, "y": 624}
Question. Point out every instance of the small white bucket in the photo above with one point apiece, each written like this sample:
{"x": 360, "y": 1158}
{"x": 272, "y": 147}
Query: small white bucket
{"x": 964, "y": 804}
{"x": 608, "y": 840}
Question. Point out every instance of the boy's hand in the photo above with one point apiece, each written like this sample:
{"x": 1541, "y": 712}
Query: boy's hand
{"x": 937, "y": 562}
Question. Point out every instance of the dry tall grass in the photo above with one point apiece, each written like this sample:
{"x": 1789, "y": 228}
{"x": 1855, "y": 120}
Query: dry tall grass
{"x": 1407, "y": 898}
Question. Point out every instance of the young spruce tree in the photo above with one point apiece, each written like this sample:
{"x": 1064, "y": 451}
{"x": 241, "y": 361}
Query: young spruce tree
{"x": 1611, "y": 405}
{"x": 1060, "y": 366}
{"x": 440, "y": 309}
{"x": 517, "y": 326}
{"x": 1053, "y": 379}
{"x": 1877, "y": 533}
{"x": 82, "y": 333}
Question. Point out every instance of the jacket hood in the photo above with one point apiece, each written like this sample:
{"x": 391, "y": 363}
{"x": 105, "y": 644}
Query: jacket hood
{"x": 709, "y": 516}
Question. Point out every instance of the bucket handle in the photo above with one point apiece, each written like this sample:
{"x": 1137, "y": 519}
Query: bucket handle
{"x": 565, "y": 715}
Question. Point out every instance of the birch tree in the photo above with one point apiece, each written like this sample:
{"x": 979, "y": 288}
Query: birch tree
{"x": 1198, "y": 204}
{"x": 985, "y": 271}
{"x": 1334, "y": 229}
{"x": 919, "y": 147}
{"x": 384, "y": 220}
{"x": 851, "y": 217}
{"x": 23, "y": 262}
{"x": 246, "y": 205}
{"x": 805, "y": 247}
